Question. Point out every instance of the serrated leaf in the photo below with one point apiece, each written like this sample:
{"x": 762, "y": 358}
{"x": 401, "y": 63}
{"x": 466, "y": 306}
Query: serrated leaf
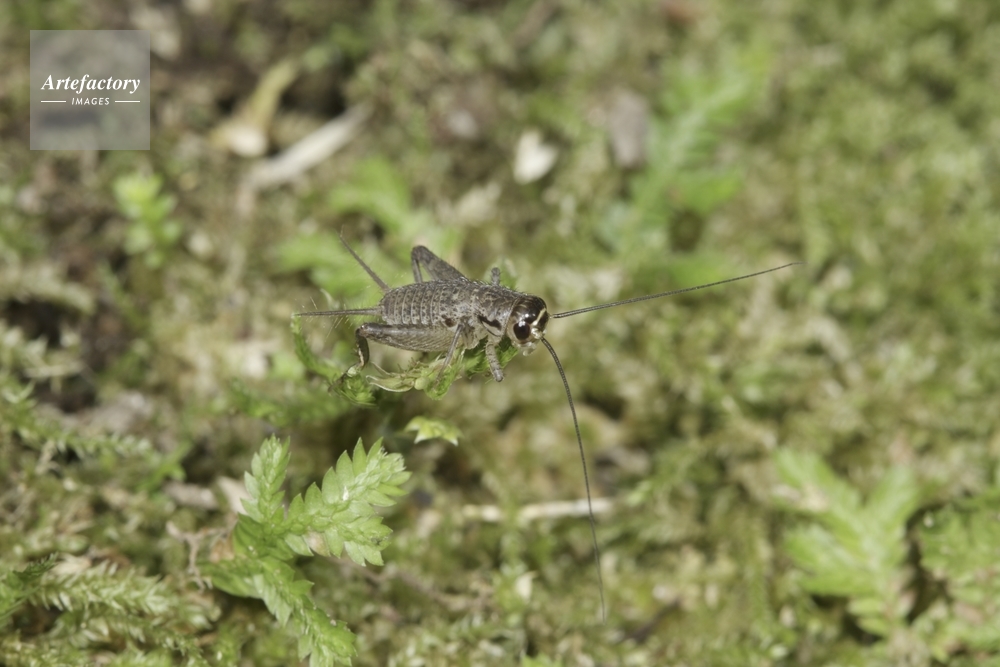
{"x": 287, "y": 598}
{"x": 232, "y": 576}
{"x": 960, "y": 547}
{"x": 428, "y": 428}
{"x": 819, "y": 490}
{"x": 894, "y": 499}
{"x": 18, "y": 585}
{"x": 334, "y": 542}
{"x": 332, "y": 518}
{"x": 358, "y": 554}
{"x": 854, "y": 550}
{"x": 339, "y": 514}
{"x": 298, "y": 544}
{"x": 360, "y": 460}
{"x": 354, "y": 387}
{"x": 253, "y": 539}
{"x": 264, "y": 484}
{"x": 323, "y": 642}
{"x": 273, "y": 581}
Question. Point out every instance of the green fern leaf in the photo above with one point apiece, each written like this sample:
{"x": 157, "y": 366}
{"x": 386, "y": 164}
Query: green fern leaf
{"x": 263, "y": 483}
{"x": 960, "y": 547}
{"x": 854, "y": 549}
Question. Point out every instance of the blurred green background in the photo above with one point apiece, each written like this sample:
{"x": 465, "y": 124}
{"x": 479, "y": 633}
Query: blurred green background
{"x": 800, "y": 469}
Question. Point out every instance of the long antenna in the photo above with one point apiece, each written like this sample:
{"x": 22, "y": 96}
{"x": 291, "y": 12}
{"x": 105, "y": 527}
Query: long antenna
{"x": 378, "y": 281}
{"x": 328, "y": 313}
{"x": 569, "y": 313}
{"x": 586, "y": 477}
{"x": 372, "y": 310}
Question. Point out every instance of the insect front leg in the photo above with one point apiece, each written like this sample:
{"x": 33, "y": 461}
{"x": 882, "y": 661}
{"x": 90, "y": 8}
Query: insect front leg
{"x": 362, "y": 347}
{"x": 491, "y": 357}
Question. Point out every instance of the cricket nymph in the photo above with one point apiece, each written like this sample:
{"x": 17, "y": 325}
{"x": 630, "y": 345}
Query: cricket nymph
{"x": 449, "y": 313}
{"x": 472, "y": 310}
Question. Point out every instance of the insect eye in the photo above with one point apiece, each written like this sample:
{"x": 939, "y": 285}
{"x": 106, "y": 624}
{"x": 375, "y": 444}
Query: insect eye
{"x": 522, "y": 330}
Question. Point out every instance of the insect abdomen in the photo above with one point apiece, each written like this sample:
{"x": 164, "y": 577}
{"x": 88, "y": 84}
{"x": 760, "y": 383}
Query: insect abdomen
{"x": 427, "y": 304}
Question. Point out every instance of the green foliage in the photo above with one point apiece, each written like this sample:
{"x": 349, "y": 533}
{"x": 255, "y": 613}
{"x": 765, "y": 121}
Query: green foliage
{"x": 860, "y": 137}
{"x": 376, "y": 189}
{"x": 683, "y": 176}
{"x": 19, "y": 415}
{"x": 99, "y": 603}
{"x": 379, "y": 190}
{"x": 959, "y": 547}
{"x": 855, "y": 550}
{"x": 133, "y": 459}
{"x": 337, "y": 516}
{"x": 290, "y": 401}
{"x": 429, "y": 428}
{"x": 349, "y": 385}
{"x": 88, "y": 602}
{"x": 152, "y": 233}
{"x": 329, "y": 265}
{"x": 39, "y": 279}
{"x": 19, "y": 586}
{"x": 32, "y": 358}
{"x": 287, "y": 597}
{"x": 312, "y": 363}
{"x": 294, "y": 405}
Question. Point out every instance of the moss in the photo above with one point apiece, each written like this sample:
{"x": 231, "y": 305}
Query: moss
{"x": 145, "y": 350}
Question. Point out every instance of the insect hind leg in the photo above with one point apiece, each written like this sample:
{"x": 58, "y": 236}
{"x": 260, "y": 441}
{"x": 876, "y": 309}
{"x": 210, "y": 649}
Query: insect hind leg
{"x": 436, "y": 268}
{"x": 411, "y": 337}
